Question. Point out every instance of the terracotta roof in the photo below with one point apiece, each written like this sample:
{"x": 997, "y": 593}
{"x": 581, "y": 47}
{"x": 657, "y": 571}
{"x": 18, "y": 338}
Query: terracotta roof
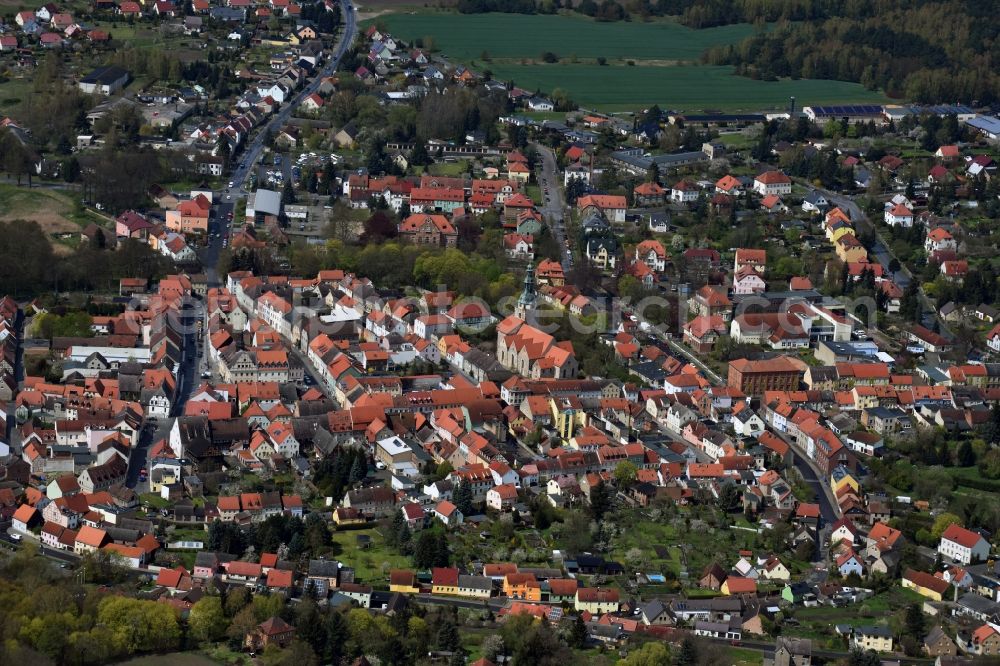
{"x": 773, "y": 178}
{"x": 740, "y": 585}
{"x": 963, "y": 537}
{"x": 444, "y": 576}
{"x": 926, "y": 580}
{"x": 91, "y": 536}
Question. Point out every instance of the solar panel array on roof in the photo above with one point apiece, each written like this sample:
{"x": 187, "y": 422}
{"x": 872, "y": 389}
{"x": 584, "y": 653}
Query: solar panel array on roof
{"x": 847, "y": 110}
{"x": 944, "y": 109}
{"x": 988, "y": 124}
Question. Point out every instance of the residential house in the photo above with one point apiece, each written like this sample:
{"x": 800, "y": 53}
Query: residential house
{"x": 875, "y": 638}
{"x": 962, "y": 545}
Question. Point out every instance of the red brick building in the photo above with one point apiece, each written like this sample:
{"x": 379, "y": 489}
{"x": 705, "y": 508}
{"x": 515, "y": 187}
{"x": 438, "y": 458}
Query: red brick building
{"x": 755, "y": 377}
{"x": 424, "y": 229}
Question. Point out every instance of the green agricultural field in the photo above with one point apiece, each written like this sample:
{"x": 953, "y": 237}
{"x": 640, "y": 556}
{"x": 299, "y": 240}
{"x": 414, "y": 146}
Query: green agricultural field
{"x": 688, "y": 87}
{"x": 664, "y": 57}
{"x": 465, "y": 37}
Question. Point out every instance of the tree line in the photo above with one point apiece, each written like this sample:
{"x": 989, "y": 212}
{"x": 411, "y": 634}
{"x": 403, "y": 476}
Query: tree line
{"x": 929, "y": 53}
{"x": 29, "y": 267}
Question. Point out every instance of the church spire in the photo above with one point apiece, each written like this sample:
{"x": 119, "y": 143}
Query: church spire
{"x": 526, "y": 302}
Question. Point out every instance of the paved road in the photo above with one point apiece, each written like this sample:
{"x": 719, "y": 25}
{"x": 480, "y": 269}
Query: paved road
{"x": 811, "y": 474}
{"x": 884, "y": 255}
{"x": 698, "y": 363}
{"x": 223, "y": 220}
{"x": 187, "y": 382}
{"x": 252, "y": 151}
{"x": 227, "y": 198}
{"x": 13, "y": 434}
{"x": 553, "y": 206}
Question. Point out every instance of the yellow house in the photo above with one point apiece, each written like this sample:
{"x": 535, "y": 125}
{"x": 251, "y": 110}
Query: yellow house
{"x": 865, "y": 397}
{"x": 446, "y": 341}
{"x": 849, "y": 249}
{"x": 596, "y": 600}
{"x": 444, "y": 580}
{"x": 838, "y": 231}
{"x": 519, "y": 172}
{"x": 347, "y": 516}
{"x": 522, "y": 586}
{"x": 568, "y": 415}
{"x": 840, "y": 478}
{"x": 774, "y": 569}
{"x": 876, "y": 638}
{"x": 165, "y": 477}
{"x": 925, "y": 584}
{"x": 403, "y": 581}
{"x": 602, "y": 252}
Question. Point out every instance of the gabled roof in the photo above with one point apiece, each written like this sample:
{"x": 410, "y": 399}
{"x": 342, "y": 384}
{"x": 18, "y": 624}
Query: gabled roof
{"x": 963, "y": 537}
{"x": 773, "y": 178}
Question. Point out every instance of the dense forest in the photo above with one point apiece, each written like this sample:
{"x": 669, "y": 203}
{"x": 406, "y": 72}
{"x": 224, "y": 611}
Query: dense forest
{"x": 929, "y": 52}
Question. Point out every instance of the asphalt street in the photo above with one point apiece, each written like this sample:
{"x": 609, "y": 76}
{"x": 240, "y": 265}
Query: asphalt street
{"x": 552, "y": 206}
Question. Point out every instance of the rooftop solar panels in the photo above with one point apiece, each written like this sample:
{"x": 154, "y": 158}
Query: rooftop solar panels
{"x": 848, "y": 110}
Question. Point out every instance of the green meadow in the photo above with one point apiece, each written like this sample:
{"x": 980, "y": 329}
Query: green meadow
{"x": 683, "y": 87}
{"x": 465, "y": 37}
{"x": 655, "y": 62}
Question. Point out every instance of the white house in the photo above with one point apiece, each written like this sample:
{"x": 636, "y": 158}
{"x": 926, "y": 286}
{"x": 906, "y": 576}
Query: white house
{"x": 158, "y": 405}
{"x": 961, "y": 545}
{"x": 277, "y": 91}
{"x": 815, "y": 202}
{"x": 540, "y": 104}
{"x": 939, "y": 240}
{"x": 176, "y": 249}
{"x": 747, "y": 423}
{"x": 993, "y": 339}
{"x": 684, "y": 192}
{"x": 772, "y": 182}
{"x": 899, "y": 215}
{"x": 748, "y": 281}
{"x": 844, "y": 530}
{"x": 502, "y": 497}
{"x": 653, "y": 254}
{"x": 448, "y": 513}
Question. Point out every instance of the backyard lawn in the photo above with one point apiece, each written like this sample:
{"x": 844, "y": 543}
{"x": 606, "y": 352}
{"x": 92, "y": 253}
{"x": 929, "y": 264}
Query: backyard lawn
{"x": 371, "y": 565}
{"x": 55, "y": 212}
{"x": 663, "y": 545}
{"x": 818, "y": 623}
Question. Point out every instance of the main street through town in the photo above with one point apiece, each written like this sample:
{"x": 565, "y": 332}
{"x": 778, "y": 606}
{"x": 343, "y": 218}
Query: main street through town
{"x": 553, "y": 206}
{"x": 225, "y": 218}
{"x": 193, "y": 360}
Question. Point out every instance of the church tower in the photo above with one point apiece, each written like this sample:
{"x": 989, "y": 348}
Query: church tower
{"x": 529, "y": 295}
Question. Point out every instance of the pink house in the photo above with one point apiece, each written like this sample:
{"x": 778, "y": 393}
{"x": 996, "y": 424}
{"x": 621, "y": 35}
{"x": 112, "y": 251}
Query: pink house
{"x": 502, "y": 497}
{"x": 748, "y": 281}
{"x": 131, "y": 224}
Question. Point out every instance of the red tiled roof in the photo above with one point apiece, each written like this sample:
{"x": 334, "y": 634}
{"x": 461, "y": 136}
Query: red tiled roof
{"x": 963, "y": 537}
